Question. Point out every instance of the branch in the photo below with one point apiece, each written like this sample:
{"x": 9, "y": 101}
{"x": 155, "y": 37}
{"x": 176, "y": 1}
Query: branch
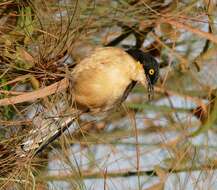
{"x": 41, "y": 93}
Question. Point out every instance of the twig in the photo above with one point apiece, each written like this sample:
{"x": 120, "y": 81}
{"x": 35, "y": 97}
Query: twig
{"x": 91, "y": 175}
{"x": 21, "y": 78}
{"x": 180, "y": 25}
{"x": 15, "y": 123}
{"x": 11, "y": 92}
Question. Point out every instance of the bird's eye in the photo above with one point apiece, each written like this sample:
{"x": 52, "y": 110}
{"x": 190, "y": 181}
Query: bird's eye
{"x": 151, "y": 71}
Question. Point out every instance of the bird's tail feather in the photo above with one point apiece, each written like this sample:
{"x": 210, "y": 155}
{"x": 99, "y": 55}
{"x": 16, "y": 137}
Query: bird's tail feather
{"x": 49, "y": 125}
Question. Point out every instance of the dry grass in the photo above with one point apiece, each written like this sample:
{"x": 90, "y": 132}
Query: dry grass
{"x": 34, "y": 38}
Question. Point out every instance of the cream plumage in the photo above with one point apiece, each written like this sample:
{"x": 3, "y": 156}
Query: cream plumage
{"x": 100, "y": 80}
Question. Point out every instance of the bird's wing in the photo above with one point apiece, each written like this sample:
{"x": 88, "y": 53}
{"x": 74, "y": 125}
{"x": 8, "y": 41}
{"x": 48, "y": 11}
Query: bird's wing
{"x": 128, "y": 90}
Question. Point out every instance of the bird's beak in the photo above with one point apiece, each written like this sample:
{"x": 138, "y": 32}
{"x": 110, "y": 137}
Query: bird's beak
{"x": 150, "y": 92}
{"x": 150, "y": 89}
{"x": 147, "y": 84}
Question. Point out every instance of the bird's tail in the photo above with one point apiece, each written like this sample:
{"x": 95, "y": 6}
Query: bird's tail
{"x": 48, "y": 125}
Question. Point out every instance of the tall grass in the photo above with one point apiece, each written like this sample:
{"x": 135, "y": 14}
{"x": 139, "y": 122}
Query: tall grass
{"x": 38, "y": 38}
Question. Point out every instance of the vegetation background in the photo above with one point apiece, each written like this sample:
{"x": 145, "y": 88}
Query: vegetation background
{"x": 166, "y": 143}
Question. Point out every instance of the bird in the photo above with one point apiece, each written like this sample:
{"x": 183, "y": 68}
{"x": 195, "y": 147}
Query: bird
{"x": 98, "y": 84}
{"x": 103, "y": 80}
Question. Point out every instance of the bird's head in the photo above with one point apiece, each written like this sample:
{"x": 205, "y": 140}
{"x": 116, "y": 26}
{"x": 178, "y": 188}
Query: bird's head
{"x": 150, "y": 66}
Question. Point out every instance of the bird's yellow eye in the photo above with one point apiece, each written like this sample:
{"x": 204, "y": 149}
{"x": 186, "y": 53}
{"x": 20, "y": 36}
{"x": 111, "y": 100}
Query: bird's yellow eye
{"x": 151, "y": 71}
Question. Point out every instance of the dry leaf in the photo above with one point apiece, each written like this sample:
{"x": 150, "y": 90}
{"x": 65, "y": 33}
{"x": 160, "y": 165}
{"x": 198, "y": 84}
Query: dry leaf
{"x": 34, "y": 82}
{"x": 24, "y": 59}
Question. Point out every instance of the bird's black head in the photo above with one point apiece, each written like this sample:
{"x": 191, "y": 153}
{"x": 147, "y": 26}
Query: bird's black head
{"x": 150, "y": 65}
